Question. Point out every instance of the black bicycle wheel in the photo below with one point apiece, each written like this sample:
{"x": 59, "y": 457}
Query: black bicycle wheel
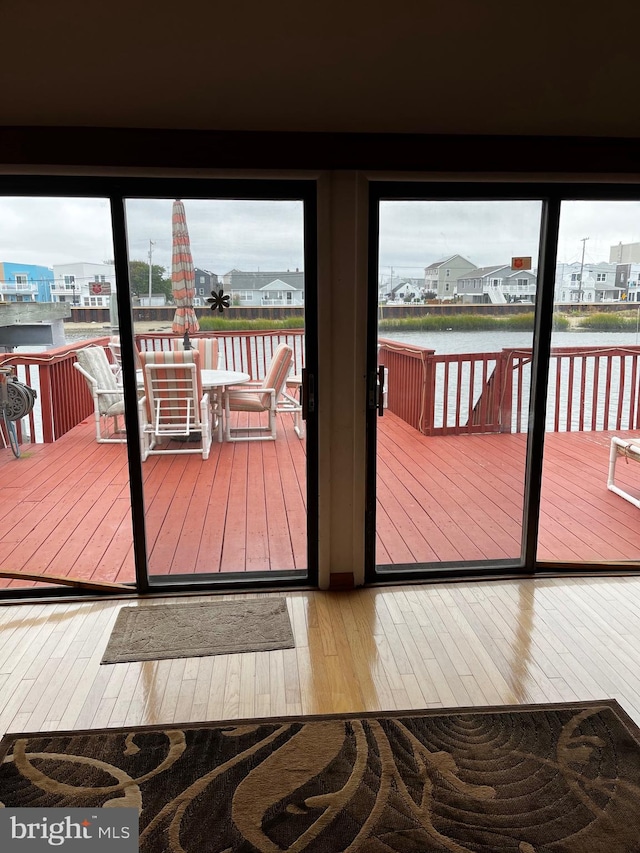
{"x": 13, "y": 435}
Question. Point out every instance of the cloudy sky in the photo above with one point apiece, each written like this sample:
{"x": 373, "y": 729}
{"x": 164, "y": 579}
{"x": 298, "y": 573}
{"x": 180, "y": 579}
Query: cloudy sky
{"x": 414, "y": 234}
{"x": 267, "y": 235}
{"x": 248, "y": 235}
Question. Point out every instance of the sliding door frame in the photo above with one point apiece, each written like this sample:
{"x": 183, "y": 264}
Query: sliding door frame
{"x": 551, "y": 195}
{"x": 117, "y": 190}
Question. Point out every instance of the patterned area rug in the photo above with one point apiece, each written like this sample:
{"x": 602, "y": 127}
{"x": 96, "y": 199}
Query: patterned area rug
{"x": 157, "y": 631}
{"x": 530, "y": 779}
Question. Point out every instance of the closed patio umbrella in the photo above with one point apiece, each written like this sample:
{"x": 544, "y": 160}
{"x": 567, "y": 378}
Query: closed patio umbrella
{"x": 182, "y": 275}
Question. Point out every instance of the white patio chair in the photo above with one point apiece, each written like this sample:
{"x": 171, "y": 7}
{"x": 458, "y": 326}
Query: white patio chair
{"x": 107, "y": 395}
{"x": 210, "y": 355}
{"x": 263, "y": 397}
{"x": 116, "y": 366}
{"x": 630, "y": 449}
{"x": 174, "y": 407}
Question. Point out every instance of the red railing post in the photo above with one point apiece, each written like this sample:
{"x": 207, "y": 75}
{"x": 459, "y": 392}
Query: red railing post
{"x": 504, "y": 389}
{"x": 46, "y": 404}
{"x": 428, "y": 400}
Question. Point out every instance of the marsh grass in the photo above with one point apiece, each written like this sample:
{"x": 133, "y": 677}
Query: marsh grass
{"x": 222, "y": 324}
{"x": 427, "y": 323}
{"x": 601, "y": 322}
{"x": 466, "y": 322}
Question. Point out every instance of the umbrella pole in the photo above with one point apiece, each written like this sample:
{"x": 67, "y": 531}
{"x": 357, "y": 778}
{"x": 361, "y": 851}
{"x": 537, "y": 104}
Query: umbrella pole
{"x": 186, "y": 343}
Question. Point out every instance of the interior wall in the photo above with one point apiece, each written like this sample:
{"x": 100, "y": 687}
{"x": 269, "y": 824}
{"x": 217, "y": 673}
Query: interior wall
{"x": 413, "y": 67}
{"x": 343, "y": 378}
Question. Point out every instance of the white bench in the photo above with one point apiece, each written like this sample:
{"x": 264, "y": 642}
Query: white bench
{"x": 630, "y": 450}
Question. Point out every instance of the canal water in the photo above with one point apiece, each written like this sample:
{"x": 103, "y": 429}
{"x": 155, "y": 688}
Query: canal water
{"x": 446, "y": 343}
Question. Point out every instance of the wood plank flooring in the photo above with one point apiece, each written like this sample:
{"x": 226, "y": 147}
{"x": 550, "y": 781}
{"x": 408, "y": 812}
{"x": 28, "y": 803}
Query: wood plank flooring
{"x": 384, "y": 648}
{"x": 65, "y": 507}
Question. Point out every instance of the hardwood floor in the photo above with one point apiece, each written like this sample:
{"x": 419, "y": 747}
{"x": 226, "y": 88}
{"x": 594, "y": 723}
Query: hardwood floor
{"x": 440, "y": 645}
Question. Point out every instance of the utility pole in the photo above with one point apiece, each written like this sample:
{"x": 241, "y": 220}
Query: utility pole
{"x": 151, "y": 245}
{"x": 584, "y": 241}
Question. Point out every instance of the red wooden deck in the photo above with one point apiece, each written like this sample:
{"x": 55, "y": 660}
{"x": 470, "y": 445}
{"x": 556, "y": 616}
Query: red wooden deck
{"x": 65, "y": 506}
{"x": 460, "y": 497}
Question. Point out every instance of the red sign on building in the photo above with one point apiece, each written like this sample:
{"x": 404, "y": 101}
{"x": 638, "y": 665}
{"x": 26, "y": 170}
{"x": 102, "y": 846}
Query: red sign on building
{"x": 520, "y": 263}
{"x": 100, "y": 288}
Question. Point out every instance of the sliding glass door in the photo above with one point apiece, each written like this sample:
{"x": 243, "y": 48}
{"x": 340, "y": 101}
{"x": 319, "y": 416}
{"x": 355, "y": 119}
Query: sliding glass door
{"x": 65, "y": 500}
{"x": 224, "y": 447}
{"x": 593, "y": 397}
{"x": 500, "y": 336}
{"x": 168, "y": 330}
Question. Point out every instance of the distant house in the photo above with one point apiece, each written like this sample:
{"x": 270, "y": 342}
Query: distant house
{"x": 475, "y": 285}
{"x": 408, "y": 289}
{"x": 441, "y": 277}
{"x": 588, "y": 283}
{"x": 497, "y": 284}
{"x": 520, "y": 286}
{"x": 84, "y": 284}
{"x": 264, "y": 288}
{"x": 205, "y": 282}
{"x": 25, "y": 282}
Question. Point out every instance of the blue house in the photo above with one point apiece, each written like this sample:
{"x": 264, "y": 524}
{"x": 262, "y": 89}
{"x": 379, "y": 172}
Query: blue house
{"x": 25, "y": 282}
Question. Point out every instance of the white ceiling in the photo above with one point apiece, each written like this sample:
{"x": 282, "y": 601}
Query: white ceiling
{"x": 462, "y": 66}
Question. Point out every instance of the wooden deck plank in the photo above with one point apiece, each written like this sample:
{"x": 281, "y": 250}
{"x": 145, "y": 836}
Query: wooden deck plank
{"x": 213, "y": 516}
{"x": 280, "y": 548}
{"x": 166, "y": 513}
{"x": 435, "y": 512}
{"x": 65, "y": 508}
{"x": 187, "y": 553}
{"x": 294, "y": 490}
{"x": 466, "y": 507}
{"x": 413, "y": 521}
{"x": 171, "y": 536}
{"x": 257, "y": 545}
{"x": 235, "y": 544}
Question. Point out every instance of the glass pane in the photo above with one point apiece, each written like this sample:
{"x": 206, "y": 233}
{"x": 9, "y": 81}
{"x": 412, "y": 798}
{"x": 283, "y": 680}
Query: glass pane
{"x": 457, "y": 289}
{"x": 593, "y": 394}
{"x": 65, "y": 502}
{"x": 224, "y": 465}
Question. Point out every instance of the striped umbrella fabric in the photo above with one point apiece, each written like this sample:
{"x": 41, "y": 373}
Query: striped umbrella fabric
{"x": 183, "y": 279}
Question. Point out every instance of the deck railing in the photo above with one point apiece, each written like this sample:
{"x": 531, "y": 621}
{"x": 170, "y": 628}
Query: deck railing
{"x": 63, "y": 396}
{"x": 590, "y": 388}
{"x": 249, "y": 352}
{"x": 408, "y": 381}
{"x": 594, "y": 388}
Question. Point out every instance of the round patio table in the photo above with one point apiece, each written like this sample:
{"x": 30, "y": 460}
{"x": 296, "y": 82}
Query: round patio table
{"x": 216, "y": 381}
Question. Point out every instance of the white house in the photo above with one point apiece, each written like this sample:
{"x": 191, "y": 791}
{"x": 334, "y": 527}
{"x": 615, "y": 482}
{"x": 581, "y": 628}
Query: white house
{"x": 497, "y": 284}
{"x": 408, "y": 289}
{"x": 587, "y": 283}
{"x": 267, "y": 289}
{"x": 83, "y": 284}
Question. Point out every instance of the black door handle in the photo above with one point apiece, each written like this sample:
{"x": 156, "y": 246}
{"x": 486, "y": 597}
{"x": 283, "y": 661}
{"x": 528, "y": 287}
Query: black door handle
{"x": 381, "y": 391}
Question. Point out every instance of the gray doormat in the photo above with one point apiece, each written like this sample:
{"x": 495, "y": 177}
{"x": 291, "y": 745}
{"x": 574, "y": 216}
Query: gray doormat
{"x": 158, "y": 631}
